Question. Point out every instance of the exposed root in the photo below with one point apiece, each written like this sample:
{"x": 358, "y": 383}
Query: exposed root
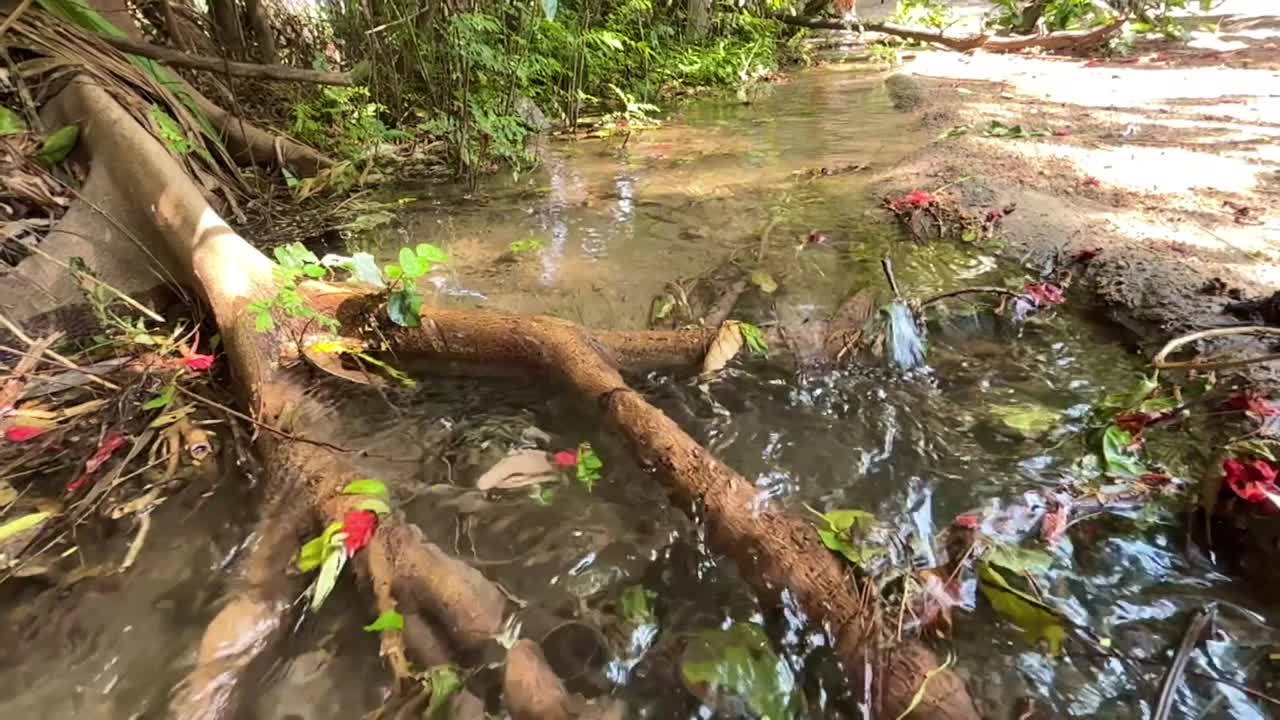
{"x": 530, "y": 690}
{"x": 380, "y": 577}
{"x": 1063, "y": 40}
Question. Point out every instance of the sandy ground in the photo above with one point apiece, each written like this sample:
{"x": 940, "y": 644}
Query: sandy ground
{"x": 1166, "y": 162}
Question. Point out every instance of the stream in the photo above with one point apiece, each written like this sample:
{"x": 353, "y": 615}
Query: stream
{"x": 621, "y": 589}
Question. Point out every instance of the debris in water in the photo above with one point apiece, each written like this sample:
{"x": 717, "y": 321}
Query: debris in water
{"x": 1044, "y": 294}
{"x": 1254, "y": 481}
{"x": 109, "y": 445}
{"x": 914, "y": 200}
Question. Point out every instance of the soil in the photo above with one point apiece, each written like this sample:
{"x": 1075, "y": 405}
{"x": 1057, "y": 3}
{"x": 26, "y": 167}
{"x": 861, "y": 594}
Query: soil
{"x": 1160, "y": 170}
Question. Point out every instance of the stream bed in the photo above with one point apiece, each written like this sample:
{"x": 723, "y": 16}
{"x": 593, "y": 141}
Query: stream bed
{"x": 621, "y": 589}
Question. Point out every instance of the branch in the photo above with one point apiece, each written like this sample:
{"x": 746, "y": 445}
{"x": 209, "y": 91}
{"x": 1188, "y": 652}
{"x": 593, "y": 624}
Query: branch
{"x": 239, "y": 69}
{"x": 1052, "y": 41}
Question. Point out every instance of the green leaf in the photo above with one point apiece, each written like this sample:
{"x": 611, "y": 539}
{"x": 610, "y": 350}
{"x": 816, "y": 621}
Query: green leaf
{"x": 845, "y": 531}
{"x": 328, "y": 577}
{"x": 387, "y": 620}
{"x": 1131, "y": 398}
{"x": 1037, "y": 620}
{"x": 549, "y": 9}
{"x": 1026, "y": 419}
{"x": 162, "y": 400}
{"x": 529, "y": 245}
{"x": 954, "y": 132}
{"x": 394, "y": 272}
{"x": 542, "y": 494}
{"x": 1019, "y": 560}
{"x": 589, "y": 466}
{"x": 444, "y": 683}
{"x": 919, "y": 696}
{"x": 413, "y": 266}
{"x": 23, "y": 524}
{"x": 169, "y": 130}
{"x": 364, "y": 269}
{"x": 739, "y": 664}
{"x": 312, "y": 554}
{"x": 58, "y": 145}
{"x": 11, "y": 123}
{"x": 764, "y": 281}
{"x": 1115, "y": 456}
{"x": 262, "y": 321}
{"x": 313, "y": 271}
{"x": 404, "y": 307}
{"x": 376, "y": 488}
{"x": 1257, "y": 447}
{"x": 294, "y": 256}
{"x": 376, "y": 505}
{"x": 637, "y": 605}
{"x": 753, "y": 338}
{"x": 432, "y": 254}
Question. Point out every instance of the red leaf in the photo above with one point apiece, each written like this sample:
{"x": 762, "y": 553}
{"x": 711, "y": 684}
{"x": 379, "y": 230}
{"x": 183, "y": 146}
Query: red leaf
{"x": 1055, "y": 522}
{"x": 359, "y": 526}
{"x": 22, "y": 433}
{"x": 1133, "y": 423}
{"x": 970, "y": 522}
{"x": 1084, "y": 256}
{"x": 1044, "y": 294}
{"x": 566, "y": 458}
{"x": 912, "y": 201}
{"x": 994, "y": 215}
{"x": 1253, "y": 404}
{"x": 109, "y": 445}
{"x": 197, "y": 362}
{"x": 1251, "y": 481}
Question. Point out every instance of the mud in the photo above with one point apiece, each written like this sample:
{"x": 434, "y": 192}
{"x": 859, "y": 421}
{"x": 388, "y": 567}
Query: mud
{"x": 1138, "y": 183}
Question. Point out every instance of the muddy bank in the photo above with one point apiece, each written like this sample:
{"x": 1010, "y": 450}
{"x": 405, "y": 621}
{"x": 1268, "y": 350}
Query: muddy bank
{"x": 1168, "y": 199}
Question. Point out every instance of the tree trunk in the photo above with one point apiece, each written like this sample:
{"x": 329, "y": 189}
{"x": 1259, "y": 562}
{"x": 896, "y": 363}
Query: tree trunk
{"x": 699, "y": 19}
{"x": 263, "y": 35}
{"x": 226, "y": 24}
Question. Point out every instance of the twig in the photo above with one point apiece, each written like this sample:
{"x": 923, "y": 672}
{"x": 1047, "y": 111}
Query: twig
{"x": 269, "y": 428}
{"x": 13, "y": 16}
{"x": 17, "y": 331}
{"x": 283, "y": 73}
{"x": 80, "y": 274}
{"x": 886, "y": 264}
{"x": 1200, "y": 621}
{"x": 1160, "y": 363}
{"x": 144, "y": 527}
{"x": 28, "y": 104}
{"x": 978, "y": 290}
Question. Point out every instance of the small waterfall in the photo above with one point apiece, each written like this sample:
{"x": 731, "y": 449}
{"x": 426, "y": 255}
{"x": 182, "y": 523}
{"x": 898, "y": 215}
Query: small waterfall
{"x": 902, "y": 338}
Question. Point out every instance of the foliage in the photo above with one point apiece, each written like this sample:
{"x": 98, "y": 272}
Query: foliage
{"x": 1037, "y": 620}
{"x": 20, "y": 525}
{"x": 846, "y": 532}
{"x": 589, "y": 466}
{"x": 529, "y": 245}
{"x": 399, "y": 280}
{"x": 386, "y": 620}
{"x": 169, "y": 131}
{"x": 886, "y": 55}
{"x": 444, "y": 683}
{"x": 753, "y": 338}
{"x": 1148, "y": 15}
{"x": 929, "y": 13}
{"x": 11, "y": 123}
{"x": 58, "y": 145}
{"x": 343, "y": 120}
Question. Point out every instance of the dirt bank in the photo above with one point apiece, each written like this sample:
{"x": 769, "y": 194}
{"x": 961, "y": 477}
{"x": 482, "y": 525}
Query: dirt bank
{"x": 1165, "y": 165}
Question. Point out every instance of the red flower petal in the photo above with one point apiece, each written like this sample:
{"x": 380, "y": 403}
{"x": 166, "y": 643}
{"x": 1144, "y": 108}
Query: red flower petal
{"x": 359, "y": 526}
{"x": 1044, "y": 294}
{"x": 198, "y": 363}
{"x": 22, "y": 433}
{"x": 110, "y": 443}
{"x": 1250, "y": 481}
{"x": 566, "y": 458}
{"x": 1252, "y": 403}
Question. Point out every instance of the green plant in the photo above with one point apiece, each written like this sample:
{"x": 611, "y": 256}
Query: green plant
{"x": 404, "y": 303}
{"x": 528, "y": 245}
{"x": 343, "y": 119}
{"x": 293, "y": 262}
{"x": 886, "y": 55}
{"x": 929, "y": 13}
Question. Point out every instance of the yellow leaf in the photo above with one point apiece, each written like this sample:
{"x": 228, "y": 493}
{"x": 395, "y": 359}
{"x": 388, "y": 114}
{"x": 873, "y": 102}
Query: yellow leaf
{"x": 723, "y": 349}
{"x": 1037, "y": 620}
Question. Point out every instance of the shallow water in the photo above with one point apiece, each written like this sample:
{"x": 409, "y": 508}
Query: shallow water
{"x": 615, "y": 225}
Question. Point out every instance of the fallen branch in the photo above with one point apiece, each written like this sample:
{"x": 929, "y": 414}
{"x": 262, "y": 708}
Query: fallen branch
{"x": 283, "y": 73}
{"x": 1062, "y": 40}
{"x": 1160, "y": 363}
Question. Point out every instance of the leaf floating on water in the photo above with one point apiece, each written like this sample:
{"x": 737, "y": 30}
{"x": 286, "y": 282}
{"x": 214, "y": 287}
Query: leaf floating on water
{"x": 1037, "y": 620}
{"x": 1116, "y": 456}
{"x": 20, "y": 525}
{"x": 589, "y": 466}
{"x": 520, "y": 468}
{"x": 729, "y": 668}
{"x": 388, "y": 620}
{"x": 637, "y": 605}
{"x": 724, "y": 348}
{"x": 764, "y": 281}
{"x": 1026, "y": 419}
{"x": 1019, "y": 560}
{"x": 845, "y": 532}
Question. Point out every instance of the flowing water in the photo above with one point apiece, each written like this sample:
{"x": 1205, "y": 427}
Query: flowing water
{"x": 620, "y": 586}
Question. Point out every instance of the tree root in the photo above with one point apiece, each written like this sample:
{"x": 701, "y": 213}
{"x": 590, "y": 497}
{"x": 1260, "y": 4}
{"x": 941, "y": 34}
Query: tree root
{"x": 1063, "y": 40}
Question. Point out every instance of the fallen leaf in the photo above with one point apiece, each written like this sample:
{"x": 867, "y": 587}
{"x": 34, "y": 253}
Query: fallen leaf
{"x": 22, "y": 524}
{"x": 1253, "y": 404}
{"x": 375, "y": 488}
{"x": 724, "y": 347}
{"x": 520, "y": 468}
{"x": 1037, "y": 620}
{"x": 110, "y": 443}
{"x": 1028, "y": 420}
{"x": 764, "y": 281}
{"x": 1116, "y": 456}
{"x": 387, "y": 620}
{"x": 936, "y": 598}
{"x": 1133, "y": 423}
{"x": 1019, "y": 560}
{"x": 1055, "y": 522}
{"x": 359, "y": 526}
{"x": 913, "y": 200}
